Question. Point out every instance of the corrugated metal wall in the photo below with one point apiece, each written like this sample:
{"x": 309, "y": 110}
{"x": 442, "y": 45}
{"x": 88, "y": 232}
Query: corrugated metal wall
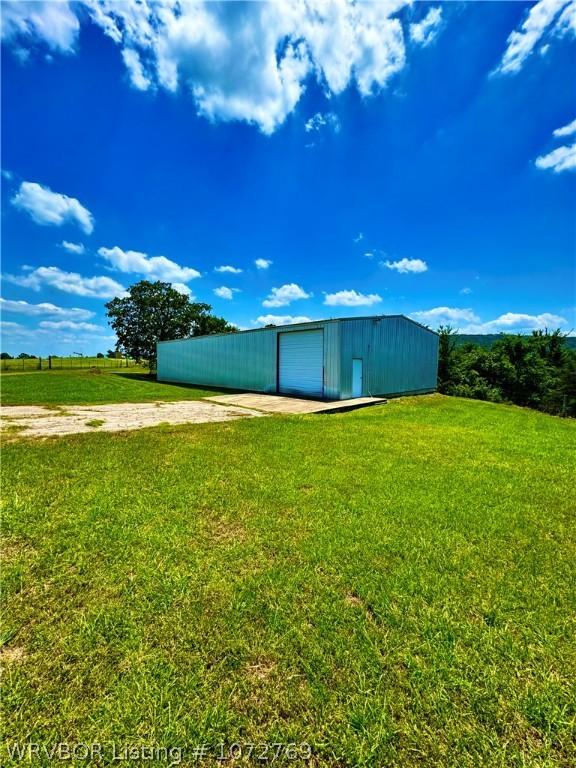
{"x": 234, "y": 361}
{"x": 399, "y": 355}
{"x": 246, "y": 360}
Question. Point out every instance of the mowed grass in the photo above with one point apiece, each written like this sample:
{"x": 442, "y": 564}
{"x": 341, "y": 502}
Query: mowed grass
{"x": 393, "y": 585}
{"x": 85, "y": 387}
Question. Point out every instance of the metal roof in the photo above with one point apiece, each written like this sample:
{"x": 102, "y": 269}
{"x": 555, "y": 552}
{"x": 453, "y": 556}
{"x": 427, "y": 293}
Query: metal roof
{"x": 292, "y": 326}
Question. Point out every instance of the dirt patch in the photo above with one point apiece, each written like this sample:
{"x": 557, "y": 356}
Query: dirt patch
{"x": 10, "y": 551}
{"x": 224, "y": 532}
{"x": 38, "y": 421}
{"x": 352, "y": 599}
{"x": 261, "y": 669}
{"x": 17, "y": 411}
{"x": 12, "y": 655}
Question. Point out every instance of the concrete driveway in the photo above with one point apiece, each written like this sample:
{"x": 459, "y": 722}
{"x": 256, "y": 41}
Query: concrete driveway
{"x": 40, "y": 421}
{"x": 293, "y": 405}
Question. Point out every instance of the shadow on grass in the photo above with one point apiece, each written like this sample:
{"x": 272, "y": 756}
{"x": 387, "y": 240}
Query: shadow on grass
{"x": 136, "y": 376}
{"x": 151, "y": 379}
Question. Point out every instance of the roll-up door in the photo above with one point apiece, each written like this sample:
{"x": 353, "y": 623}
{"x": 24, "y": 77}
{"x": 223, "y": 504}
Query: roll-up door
{"x": 301, "y": 365}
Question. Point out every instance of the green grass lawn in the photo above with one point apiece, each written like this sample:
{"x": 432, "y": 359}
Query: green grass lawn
{"x": 393, "y": 585}
{"x": 85, "y": 387}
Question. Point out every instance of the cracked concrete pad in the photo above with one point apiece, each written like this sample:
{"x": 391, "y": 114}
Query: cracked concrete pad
{"x": 37, "y": 421}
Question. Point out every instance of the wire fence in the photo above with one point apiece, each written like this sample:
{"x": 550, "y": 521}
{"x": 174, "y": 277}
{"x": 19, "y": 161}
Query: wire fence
{"x": 57, "y": 363}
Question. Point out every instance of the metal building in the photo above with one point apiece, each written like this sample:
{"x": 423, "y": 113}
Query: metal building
{"x": 331, "y": 359}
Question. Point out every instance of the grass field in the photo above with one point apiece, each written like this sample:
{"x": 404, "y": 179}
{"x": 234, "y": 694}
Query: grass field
{"x": 84, "y": 387}
{"x": 62, "y": 363}
{"x": 394, "y": 585}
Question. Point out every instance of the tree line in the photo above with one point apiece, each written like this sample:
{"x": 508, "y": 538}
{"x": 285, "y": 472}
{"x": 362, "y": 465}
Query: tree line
{"x": 536, "y": 371}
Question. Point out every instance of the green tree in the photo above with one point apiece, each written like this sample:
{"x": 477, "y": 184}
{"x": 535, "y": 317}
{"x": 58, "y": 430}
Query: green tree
{"x": 566, "y": 400}
{"x": 153, "y": 312}
{"x": 447, "y": 358}
{"x": 537, "y": 371}
{"x": 100, "y": 355}
{"x": 5, "y": 356}
{"x": 529, "y": 367}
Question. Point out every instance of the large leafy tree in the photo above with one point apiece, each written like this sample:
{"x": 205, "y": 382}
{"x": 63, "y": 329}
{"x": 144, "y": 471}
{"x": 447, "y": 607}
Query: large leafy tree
{"x": 153, "y": 312}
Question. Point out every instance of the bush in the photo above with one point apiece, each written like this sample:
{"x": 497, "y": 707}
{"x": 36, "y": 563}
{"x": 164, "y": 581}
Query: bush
{"x": 536, "y": 371}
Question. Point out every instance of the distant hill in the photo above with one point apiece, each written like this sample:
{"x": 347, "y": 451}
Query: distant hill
{"x": 488, "y": 339}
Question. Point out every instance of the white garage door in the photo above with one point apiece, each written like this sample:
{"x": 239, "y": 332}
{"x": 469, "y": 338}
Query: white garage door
{"x": 301, "y": 366}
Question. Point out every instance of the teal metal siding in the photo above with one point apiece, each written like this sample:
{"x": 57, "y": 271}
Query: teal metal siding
{"x": 231, "y": 361}
{"x": 399, "y": 356}
{"x": 245, "y": 360}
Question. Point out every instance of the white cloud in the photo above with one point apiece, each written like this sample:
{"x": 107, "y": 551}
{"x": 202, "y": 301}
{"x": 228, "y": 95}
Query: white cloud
{"x": 465, "y": 291}
{"x": 567, "y": 20}
{"x": 76, "y": 338}
{"x": 566, "y": 130}
{"x": 68, "y": 282}
{"x": 53, "y": 22}
{"x": 282, "y": 319}
{"x": 543, "y": 18}
{"x": 406, "y": 265}
{"x": 351, "y": 299}
{"x": 513, "y": 322}
{"x": 250, "y": 62}
{"x": 467, "y": 321}
{"x": 70, "y": 325}
{"x": 560, "y": 159}
{"x": 262, "y": 263}
{"x": 319, "y": 121}
{"x": 424, "y": 32}
{"x": 154, "y": 267}
{"x": 45, "y": 308}
{"x": 445, "y": 316}
{"x": 225, "y": 293}
{"x": 183, "y": 288}
{"x": 238, "y": 61}
{"x": 52, "y": 208}
{"x": 77, "y": 248}
{"x": 228, "y": 268}
{"x": 135, "y": 69}
{"x": 15, "y": 332}
{"x": 281, "y": 297}
{"x": 359, "y": 237}
{"x": 8, "y": 326}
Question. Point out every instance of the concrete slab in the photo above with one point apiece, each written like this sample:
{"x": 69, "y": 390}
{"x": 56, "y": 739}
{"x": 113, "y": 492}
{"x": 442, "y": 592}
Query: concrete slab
{"x": 292, "y": 405}
{"x": 36, "y": 421}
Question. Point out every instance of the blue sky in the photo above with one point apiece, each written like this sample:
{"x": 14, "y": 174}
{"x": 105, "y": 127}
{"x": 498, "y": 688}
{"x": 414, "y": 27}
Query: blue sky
{"x": 338, "y": 159}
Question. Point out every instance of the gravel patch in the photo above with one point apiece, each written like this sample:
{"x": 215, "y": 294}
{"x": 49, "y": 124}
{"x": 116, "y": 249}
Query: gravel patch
{"x": 37, "y": 421}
